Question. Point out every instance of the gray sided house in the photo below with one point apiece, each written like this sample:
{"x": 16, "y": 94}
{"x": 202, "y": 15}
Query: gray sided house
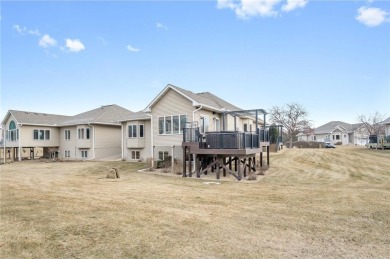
{"x": 341, "y": 132}
{"x": 95, "y": 134}
{"x": 157, "y": 131}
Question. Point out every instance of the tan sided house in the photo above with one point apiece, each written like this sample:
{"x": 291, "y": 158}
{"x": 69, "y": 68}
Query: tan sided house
{"x": 157, "y": 131}
{"x": 95, "y": 134}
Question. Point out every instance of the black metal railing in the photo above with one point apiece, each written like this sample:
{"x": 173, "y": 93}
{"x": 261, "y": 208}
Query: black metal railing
{"x": 225, "y": 139}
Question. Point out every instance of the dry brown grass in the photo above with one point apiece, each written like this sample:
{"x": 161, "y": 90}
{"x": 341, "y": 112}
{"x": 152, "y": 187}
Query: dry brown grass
{"x": 310, "y": 203}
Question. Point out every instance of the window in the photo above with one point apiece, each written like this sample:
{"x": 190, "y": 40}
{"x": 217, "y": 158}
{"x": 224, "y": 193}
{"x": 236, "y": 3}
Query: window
{"x": 162, "y": 155}
{"x": 168, "y": 125}
{"x": 217, "y": 124}
{"x": 171, "y": 124}
{"x": 132, "y": 131}
{"x": 67, "y": 153}
{"x": 204, "y": 123}
{"x": 83, "y": 133}
{"x": 314, "y": 138}
{"x": 12, "y": 133}
{"x": 337, "y": 136}
{"x": 84, "y": 153}
{"x": 67, "y": 134}
{"x": 39, "y": 134}
{"x": 183, "y": 121}
{"x": 176, "y": 124}
{"x": 141, "y": 130}
{"x": 80, "y": 133}
{"x": 135, "y": 154}
{"x": 245, "y": 127}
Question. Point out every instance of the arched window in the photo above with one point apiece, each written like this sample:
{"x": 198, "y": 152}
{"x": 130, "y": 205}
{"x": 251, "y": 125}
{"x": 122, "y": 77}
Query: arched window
{"x": 12, "y": 125}
{"x": 13, "y": 133}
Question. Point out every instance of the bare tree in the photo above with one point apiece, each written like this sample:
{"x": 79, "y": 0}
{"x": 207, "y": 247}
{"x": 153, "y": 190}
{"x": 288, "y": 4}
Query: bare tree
{"x": 371, "y": 123}
{"x": 293, "y": 118}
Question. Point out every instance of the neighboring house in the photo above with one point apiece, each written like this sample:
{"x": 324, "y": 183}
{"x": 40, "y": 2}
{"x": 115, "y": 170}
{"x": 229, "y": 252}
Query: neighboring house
{"x": 386, "y": 123}
{"x": 156, "y": 132}
{"x": 341, "y": 132}
{"x": 95, "y": 134}
{"x": 306, "y": 136}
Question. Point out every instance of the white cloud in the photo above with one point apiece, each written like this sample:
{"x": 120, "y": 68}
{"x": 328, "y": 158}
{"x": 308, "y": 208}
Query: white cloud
{"x": 24, "y": 30}
{"x": 247, "y": 8}
{"x": 161, "y": 26}
{"x": 371, "y": 16}
{"x": 294, "y": 4}
{"x": 74, "y": 45}
{"x": 132, "y": 49}
{"x": 47, "y": 41}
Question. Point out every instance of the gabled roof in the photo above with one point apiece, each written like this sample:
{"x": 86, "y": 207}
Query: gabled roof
{"x": 137, "y": 116}
{"x": 207, "y": 100}
{"x": 331, "y": 126}
{"x": 108, "y": 114}
{"x": 35, "y": 118}
{"x": 387, "y": 121}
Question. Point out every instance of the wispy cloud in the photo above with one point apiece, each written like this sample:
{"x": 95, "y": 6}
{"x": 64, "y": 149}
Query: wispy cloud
{"x": 161, "y": 26}
{"x": 23, "y": 30}
{"x": 74, "y": 45}
{"x": 294, "y": 4}
{"x": 47, "y": 41}
{"x": 132, "y": 49}
{"x": 265, "y": 8}
{"x": 102, "y": 40}
{"x": 371, "y": 16}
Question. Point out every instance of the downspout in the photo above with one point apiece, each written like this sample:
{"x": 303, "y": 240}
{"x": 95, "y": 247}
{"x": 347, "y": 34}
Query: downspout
{"x": 151, "y": 138}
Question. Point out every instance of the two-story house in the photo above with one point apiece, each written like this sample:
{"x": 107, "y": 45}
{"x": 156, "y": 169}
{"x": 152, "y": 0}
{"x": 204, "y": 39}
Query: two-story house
{"x": 95, "y": 134}
{"x": 157, "y": 131}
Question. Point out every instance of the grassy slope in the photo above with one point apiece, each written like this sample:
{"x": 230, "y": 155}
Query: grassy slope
{"x": 324, "y": 203}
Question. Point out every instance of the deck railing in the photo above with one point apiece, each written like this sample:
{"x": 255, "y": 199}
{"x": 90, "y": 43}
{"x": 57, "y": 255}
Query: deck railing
{"x": 225, "y": 139}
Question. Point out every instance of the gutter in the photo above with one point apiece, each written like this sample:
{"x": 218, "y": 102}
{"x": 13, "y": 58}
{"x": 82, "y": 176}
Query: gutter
{"x": 193, "y": 112}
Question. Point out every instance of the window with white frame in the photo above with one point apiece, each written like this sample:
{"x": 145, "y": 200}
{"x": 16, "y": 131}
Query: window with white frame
{"x": 13, "y": 133}
{"x": 67, "y": 134}
{"x": 83, "y": 133}
{"x": 245, "y": 127}
{"x": 84, "y": 153}
{"x": 39, "y": 134}
{"x": 67, "y": 153}
{"x": 217, "y": 125}
{"x": 141, "y": 130}
{"x": 135, "y": 154}
{"x": 171, "y": 124}
{"x": 132, "y": 131}
{"x": 204, "y": 123}
{"x": 162, "y": 155}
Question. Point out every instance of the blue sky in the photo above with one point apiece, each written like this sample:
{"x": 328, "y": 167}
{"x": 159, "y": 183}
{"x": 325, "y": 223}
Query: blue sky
{"x": 332, "y": 57}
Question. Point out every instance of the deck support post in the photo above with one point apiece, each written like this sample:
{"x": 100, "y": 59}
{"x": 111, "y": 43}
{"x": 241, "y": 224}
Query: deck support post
{"x": 261, "y": 159}
{"x": 189, "y": 163}
{"x": 238, "y": 169}
{"x": 218, "y": 167}
{"x": 268, "y": 155}
{"x": 184, "y": 162}
{"x": 244, "y": 164}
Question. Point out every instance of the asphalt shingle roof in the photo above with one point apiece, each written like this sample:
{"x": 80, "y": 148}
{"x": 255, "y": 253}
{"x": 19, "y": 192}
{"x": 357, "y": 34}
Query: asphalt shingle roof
{"x": 208, "y": 99}
{"x": 109, "y": 114}
{"x": 387, "y": 121}
{"x": 330, "y": 126}
{"x": 25, "y": 117}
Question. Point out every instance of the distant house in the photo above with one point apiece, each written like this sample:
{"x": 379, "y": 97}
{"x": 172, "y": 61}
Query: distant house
{"x": 95, "y": 134}
{"x": 386, "y": 123}
{"x": 341, "y": 132}
{"x": 157, "y": 131}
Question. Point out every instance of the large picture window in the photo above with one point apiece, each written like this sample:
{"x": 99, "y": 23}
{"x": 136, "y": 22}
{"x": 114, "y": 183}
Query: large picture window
{"x": 171, "y": 124}
{"x": 39, "y": 134}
